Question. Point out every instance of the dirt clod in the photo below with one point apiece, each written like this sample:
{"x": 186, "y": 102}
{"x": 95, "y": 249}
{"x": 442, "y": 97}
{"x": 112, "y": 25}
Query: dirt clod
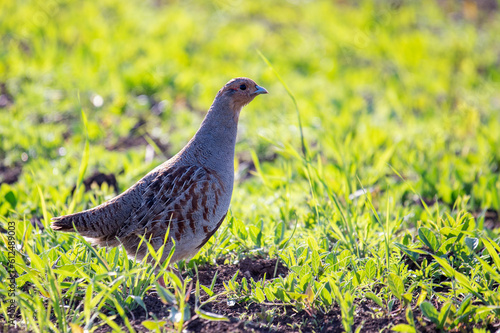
{"x": 10, "y": 175}
{"x": 6, "y": 99}
{"x": 491, "y": 220}
{"x": 100, "y": 178}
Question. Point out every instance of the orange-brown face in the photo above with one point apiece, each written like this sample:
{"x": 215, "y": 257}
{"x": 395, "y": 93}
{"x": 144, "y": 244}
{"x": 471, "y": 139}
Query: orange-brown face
{"x": 241, "y": 91}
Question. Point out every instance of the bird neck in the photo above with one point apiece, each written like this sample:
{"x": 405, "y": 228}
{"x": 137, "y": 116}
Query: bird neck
{"x": 213, "y": 144}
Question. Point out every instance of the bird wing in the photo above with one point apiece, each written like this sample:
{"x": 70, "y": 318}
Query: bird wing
{"x": 172, "y": 199}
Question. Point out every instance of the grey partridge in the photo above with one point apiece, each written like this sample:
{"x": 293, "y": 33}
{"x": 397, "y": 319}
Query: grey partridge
{"x": 190, "y": 193}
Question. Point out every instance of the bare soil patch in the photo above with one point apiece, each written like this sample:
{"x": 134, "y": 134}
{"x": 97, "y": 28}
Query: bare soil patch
{"x": 10, "y": 175}
{"x": 491, "y": 220}
{"x": 136, "y": 139}
{"x": 99, "y": 178}
{"x": 6, "y": 99}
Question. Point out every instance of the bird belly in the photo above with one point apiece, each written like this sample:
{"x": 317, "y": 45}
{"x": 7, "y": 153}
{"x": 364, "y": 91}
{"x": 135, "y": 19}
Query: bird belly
{"x": 205, "y": 225}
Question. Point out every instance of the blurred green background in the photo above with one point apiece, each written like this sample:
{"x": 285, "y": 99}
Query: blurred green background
{"x": 382, "y": 87}
{"x": 414, "y": 84}
{"x": 408, "y": 84}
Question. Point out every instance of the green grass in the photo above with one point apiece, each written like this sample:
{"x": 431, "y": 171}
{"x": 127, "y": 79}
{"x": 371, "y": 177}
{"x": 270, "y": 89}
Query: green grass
{"x": 398, "y": 106}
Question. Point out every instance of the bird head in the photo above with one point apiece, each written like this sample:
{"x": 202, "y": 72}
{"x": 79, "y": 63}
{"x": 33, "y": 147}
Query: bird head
{"x": 239, "y": 92}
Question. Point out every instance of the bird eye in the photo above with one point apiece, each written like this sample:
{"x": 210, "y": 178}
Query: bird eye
{"x": 243, "y": 87}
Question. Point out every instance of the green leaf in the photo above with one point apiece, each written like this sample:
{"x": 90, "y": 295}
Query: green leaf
{"x": 428, "y": 238}
{"x": 139, "y": 301}
{"x": 390, "y": 304}
{"x": 403, "y": 328}
{"x": 259, "y": 295}
{"x": 471, "y": 243}
{"x": 490, "y": 247}
{"x": 315, "y": 262}
{"x": 407, "y": 239}
{"x": 211, "y": 316}
{"x": 460, "y": 278}
{"x": 371, "y": 269}
{"x": 412, "y": 253}
{"x": 165, "y": 296}
{"x": 282, "y": 296}
{"x": 409, "y": 316}
{"x": 464, "y": 305}
{"x": 492, "y": 270}
{"x": 327, "y": 296}
{"x": 304, "y": 280}
{"x": 407, "y": 297}
{"x": 446, "y": 245}
{"x": 375, "y": 298}
{"x": 110, "y": 321}
{"x": 296, "y": 296}
{"x": 69, "y": 270}
{"x": 430, "y": 312}
{"x": 269, "y": 294}
{"x": 153, "y": 325}
{"x": 396, "y": 285}
{"x": 209, "y": 292}
{"x": 443, "y": 314}
{"x": 255, "y": 235}
{"x": 10, "y": 197}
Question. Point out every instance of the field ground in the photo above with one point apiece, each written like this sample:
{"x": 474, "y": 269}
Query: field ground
{"x": 369, "y": 205}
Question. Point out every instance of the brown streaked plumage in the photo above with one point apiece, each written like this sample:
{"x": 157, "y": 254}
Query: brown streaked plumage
{"x": 190, "y": 193}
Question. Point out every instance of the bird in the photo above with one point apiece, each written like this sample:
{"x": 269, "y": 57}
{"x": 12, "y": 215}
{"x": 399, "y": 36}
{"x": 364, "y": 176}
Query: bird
{"x": 187, "y": 197}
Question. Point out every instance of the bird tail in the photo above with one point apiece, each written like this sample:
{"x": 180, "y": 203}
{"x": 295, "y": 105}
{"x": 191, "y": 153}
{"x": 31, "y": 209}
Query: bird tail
{"x": 100, "y": 224}
{"x": 62, "y": 223}
{"x": 84, "y": 224}
{"x": 75, "y": 222}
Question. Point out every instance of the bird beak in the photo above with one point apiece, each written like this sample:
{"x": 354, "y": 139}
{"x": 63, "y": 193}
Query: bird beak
{"x": 260, "y": 90}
